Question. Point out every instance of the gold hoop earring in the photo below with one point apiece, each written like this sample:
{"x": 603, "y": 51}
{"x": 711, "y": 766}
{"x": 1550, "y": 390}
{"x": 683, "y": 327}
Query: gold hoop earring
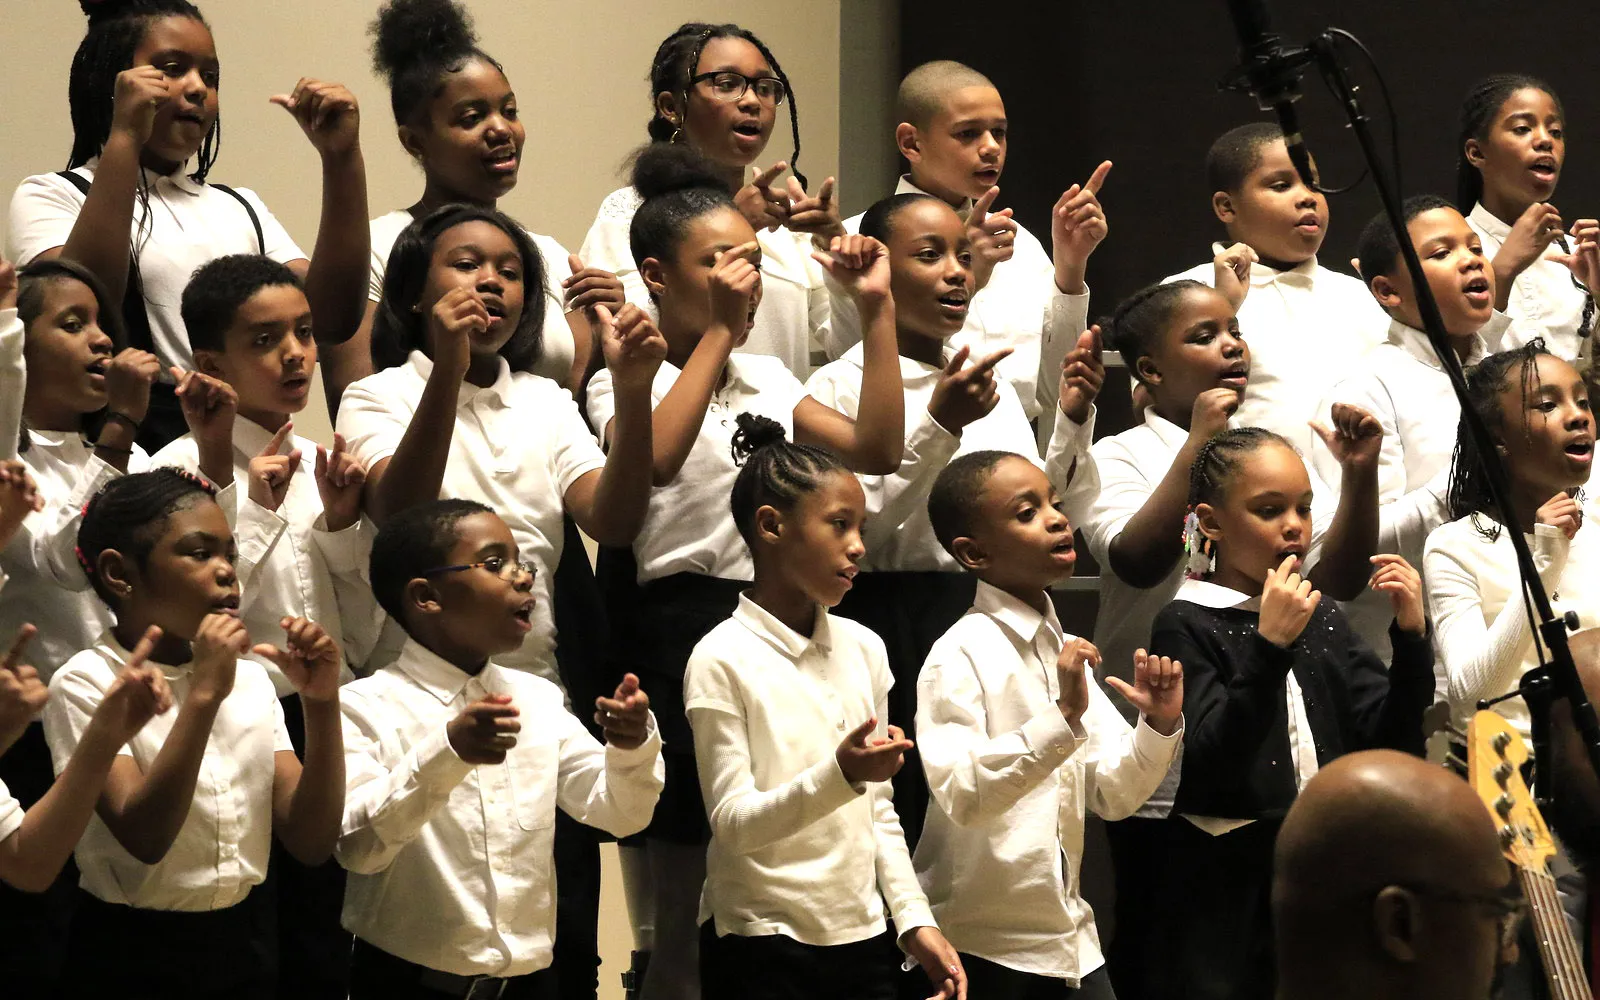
{"x": 677, "y": 134}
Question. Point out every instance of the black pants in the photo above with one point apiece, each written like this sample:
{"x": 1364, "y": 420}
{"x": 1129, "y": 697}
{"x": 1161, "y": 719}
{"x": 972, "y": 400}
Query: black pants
{"x": 132, "y": 954}
{"x": 378, "y": 975}
{"x": 34, "y": 926}
{"x": 1138, "y": 855}
{"x": 988, "y": 980}
{"x": 776, "y": 967}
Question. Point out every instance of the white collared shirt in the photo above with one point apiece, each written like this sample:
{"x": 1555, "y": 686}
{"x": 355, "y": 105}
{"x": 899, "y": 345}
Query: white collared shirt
{"x": 1307, "y": 327}
{"x": 289, "y": 563}
{"x": 10, "y": 808}
{"x": 795, "y": 311}
{"x": 796, "y": 849}
{"x": 1020, "y": 308}
{"x": 451, "y": 864}
{"x": 556, "y": 346}
{"x": 689, "y": 527}
{"x": 898, "y": 534}
{"x": 1302, "y": 742}
{"x": 518, "y": 446}
{"x": 13, "y": 382}
{"x": 1544, "y": 302}
{"x": 221, "y": 850}
{"x": 1012, "y": 783}
{"x": 186, "y": 225}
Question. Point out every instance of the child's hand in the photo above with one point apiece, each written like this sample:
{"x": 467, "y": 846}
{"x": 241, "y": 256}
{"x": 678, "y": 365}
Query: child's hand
{"x": 22, "y": 693}
{"x": 139, "y": 694}
{"x": 327, "y": 113}
{"x": 1078, "y": 223}
{"x": 139, "y": 93}
{"x": 271, "y": 473}
{"x": 1073, "y": 683}
{"x": 19, "y": 497}
{"x": 218, "y": 643}
{"x": 311, "y": 662}
{"x": 817, "y": 216}
{"x": 1531, "y": 235}
{"x": 993, "y": 236}
{"x": 625, "y": 716}
{"x": 762, "y": 205}
{"x": 1157, "y": 690}
{"x": 1211, "y": 412}
{"x": 1355, "y": 439}
{"x": 1232, "y": 273}
{"x": 485, "y": 730}
{"x": 1561, "y": 511}
{"x": 589, "y": 287}
{"x": 457, "y": 317}
{"x": 1083, "y": 372}
{"x": 939, "y": 962}
{"x": 8, "y": 283}
{"x": 208, "y": 406}
{"x": 1287, "y": 603}
{"x": 128, "y": 379}
{"x": 735, "y": 280}
{"x": 963, "y": 395}
{"x": 860, "y": 264}
{"x": 633, "y": 347}
{"x": 1583, "y": 261}
{"x": 340, "y": 478}
{"x": 878, "y": 760}
{"x": 1394, "y": 576}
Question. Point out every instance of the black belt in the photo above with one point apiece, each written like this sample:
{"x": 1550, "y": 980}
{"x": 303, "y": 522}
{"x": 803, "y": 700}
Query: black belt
{"x": 444, "y": 983}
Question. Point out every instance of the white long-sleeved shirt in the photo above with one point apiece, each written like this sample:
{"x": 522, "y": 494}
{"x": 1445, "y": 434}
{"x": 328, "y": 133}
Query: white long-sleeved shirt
{"x": 795, "y": 311}
{"x": 1012, "y": 782}
{"x": 10, "y": 809}
{"x": 307, "y": 571}
{"x": 1307, "y": 327}
{"x": 898, "y": 534}
{"x": 1544, "y": 302}
{"x": 1020, "y": 308}
{"x": 451, "y": 864}
{"x": 13, "y": 382}
{"x": 1480, "y": 623}
{"x": 796, "y": 849}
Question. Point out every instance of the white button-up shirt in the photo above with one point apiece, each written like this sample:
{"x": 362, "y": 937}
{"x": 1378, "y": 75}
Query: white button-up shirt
{"x": 185, "y": 225}
{"x": 898, "y": 534}
{"x": 688, "y": 527}
{"x": 1307, "y": 327}
{"x": 796, "y": 849}
{"x": 1543, "y": 302}
{"x": 221, "y": 850}
{"x": 519, "y": 445}
{"x": 13, "y": 382}
{"x": 1012, "y": 783}
{"x": 451, "y": 864}
{"x": 10, "y": 808}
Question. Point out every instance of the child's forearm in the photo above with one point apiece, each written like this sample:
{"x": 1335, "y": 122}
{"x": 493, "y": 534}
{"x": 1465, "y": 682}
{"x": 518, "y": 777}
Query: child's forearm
{"x": 676, "y": 422}
{"x": 309, "y": 828}
{"x": 31, "y": 858}
{"x": 1346, "y": 564}
{"x": 415, "y": 473}
{"x": 146, "y": 811}
{"x": 99, "y": 239}
{"x": 1151, "y": 543}
{"x": 622, "y": 495}
{"x": 880, "y": 432}
{"x": 336, "y": 282}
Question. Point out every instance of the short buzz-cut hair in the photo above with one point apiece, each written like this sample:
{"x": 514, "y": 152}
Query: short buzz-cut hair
{"x": 1377, "y": 252}
{"x": 1237, "y": 152}
{"x": 958, "y": 491}
{"x": 219, "y": 287}
{"x": 411, "y": 543}
{"x": 924, "y": 89}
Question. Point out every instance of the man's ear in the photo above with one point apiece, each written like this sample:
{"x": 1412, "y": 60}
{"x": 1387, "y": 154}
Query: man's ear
{"x": 908, "y": 141}
{"x": 969, "y": 553}
{"x": 1396, "y": 923}
{"x": 1222, "y": 206}
{"x": 769, "y": 524}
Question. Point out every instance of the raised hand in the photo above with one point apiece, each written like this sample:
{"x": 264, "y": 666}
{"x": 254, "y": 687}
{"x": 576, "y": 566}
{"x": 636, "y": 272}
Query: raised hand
{"x": 939, "y": 961}
{"x": 1583, "y": 259}
{"x": 1210, "y": 414}
{"x": 340, "y": 478}
{"x": 1394, "y": 576}
{"x": 1561, "y": 511}
{"x": 1355, "y": 439}
{"x": 632, "y": 345}
{"x": 993, "y": 236}
{"x": 326, "y": 112}
{"x": 864, "y": 759}
{"x": 456, "y": 318}
{"x": 762, "y": 204}
{"x": 22, "y": 693}
{"x": 218, "y": 643}
{"x": 1287, "y": 603}
{"x": 128, "y": 379}
{"x": 1078, "y": 223}
{"x": 139, "y": 694}
{"x": 1531, "y": 235}
{"x": 1231, "y": 272}
{"x": 1083, "y": 372}
{"x": 208, "y": 407}
{"x": 965, "y": 394}
{"x": 625, "y": 716}
{"x": 860, "y": 264}
{"x": 589, "y": 287}
{"x": 1156, "y": 691}
{"x": 137, "y": 95}
{"x": 1077, "y": 656}
{"x": 311, "y": 661}
{"x": 819, "y": 215}
{"x": 485, "y": 730}
{"x": 735, "y": 285}
{"x": 19, "y": 497}
{"x": 271, "y": 472}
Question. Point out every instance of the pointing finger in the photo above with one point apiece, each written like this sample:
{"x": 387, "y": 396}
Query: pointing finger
{"x": 988, "y": 363}
{"x": 767, "y": 176}
{"x": 277, "y": 439}
{"x": 980, "y": 209}
{"x": 1098, "y": 177}
{"x": 953, "y": 366}
{"x": 13, "y": 657}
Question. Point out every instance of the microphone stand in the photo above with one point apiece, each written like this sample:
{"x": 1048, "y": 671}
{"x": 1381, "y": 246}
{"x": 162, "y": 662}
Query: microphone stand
{"x": 1556, "y": 677}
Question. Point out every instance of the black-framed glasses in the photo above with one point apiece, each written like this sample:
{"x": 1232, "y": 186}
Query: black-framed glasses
{"x": 1508, "y": 906}
{"x": 505, "y": 569}
{"x": 729, "y": 86}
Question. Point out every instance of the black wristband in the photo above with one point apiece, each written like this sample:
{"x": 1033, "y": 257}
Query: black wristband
{"x": 101, "y": 446}
{"x": 118, "y": 417}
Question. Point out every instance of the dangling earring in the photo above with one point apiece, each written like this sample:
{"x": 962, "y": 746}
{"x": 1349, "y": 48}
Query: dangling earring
{"x": 677, "y": 134}
{"x": 1200, "y": 558}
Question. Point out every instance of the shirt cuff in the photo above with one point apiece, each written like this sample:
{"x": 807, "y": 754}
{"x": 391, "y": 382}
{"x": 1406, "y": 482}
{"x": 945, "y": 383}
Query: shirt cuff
{"x": 641, "y": 754}
{"x": 438, "y": 764}
{"x": 912, "y": 914}
{"x": 1070, "y": 437}
{"x": 1152, "y": 745}
{"x": 1051, "y": 737}
{"x": 930, "y": 441}
{"x": 826, "y": 780}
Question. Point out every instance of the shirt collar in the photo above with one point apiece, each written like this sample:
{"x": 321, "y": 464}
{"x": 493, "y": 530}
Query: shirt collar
{"x": 250, "y": 438}
{"x": 113, "y": 650}
{"x": 906, "y": 187}
{"x": 1017, "y": 616}
{"x": 1302, "y": 275}
{"x": 1168, "y": 433}
{"x": 178, "y": 178}
{"x": 1487, "y": 221}
{"x": 1415, "y": 343}
{"x": 780, "y": 636}
{"x": 500, "y": 391}
{"x": 1210, "y": 595}
{"x": 910, "y": 371}
{"x": 436, "y": 675}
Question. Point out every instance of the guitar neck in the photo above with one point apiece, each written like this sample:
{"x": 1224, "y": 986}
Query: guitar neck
{"x": 1558, "y": 950}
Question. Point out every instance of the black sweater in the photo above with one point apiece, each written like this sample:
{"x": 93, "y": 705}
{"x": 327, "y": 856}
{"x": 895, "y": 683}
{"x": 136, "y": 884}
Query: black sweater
{"x": 1236, "y": 760}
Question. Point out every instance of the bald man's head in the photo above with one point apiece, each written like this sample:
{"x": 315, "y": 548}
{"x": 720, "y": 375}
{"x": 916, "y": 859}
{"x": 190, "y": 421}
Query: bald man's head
{"x": 926, "y": 89}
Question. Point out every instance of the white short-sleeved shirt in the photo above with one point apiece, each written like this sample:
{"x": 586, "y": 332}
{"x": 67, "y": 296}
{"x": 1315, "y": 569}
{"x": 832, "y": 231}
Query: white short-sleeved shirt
{"x": 1543, "y": 303}
{"x": 556, "y": 346}
{"x": 795, "y": 310}
{"x": 221, "y": 850}
{"x": 518, "y": 446}
{"x": 689, "y": 527}
{"x": 186, "y": 225}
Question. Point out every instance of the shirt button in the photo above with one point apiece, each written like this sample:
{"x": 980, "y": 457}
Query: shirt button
{"x": 1060, "y": 748}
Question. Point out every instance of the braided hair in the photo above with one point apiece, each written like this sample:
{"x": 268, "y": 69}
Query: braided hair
{"x": 675, "y": 62}
{"x": 33, "y": 285}
{"x": 1140, "y": 319}
{"x": 774, "y": 471}
{"x": 415, "y": 44}
{"x": 878, "y": 221}
{"x": 129, "y": 514}
{"x": 1213, "y": 471}
{"x": 1468, "y": 493}
{"x": 1478, "y": 110}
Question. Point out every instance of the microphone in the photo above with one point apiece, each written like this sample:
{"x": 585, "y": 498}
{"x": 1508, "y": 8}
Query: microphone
{"x": 1271, "y": 74}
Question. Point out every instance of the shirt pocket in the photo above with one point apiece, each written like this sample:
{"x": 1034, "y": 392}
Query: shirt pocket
{"x": 532, "y": 772}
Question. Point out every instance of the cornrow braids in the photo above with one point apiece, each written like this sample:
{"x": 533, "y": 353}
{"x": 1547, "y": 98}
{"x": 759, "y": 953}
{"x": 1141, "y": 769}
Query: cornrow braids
{"x": 774, "y": 471}
{"x": 1468, "y": 493}
{"x": 1136, "y": 326}
{"x": 675, "y": 62}
{"x": 1478, "y": 110}
{"x": 129, "y": 514}
{"x": 1213, "y": 470}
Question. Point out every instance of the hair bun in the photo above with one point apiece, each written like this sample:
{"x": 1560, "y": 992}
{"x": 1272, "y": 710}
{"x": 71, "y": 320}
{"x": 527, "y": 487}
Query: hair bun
{"x": 406, "y": 31}
{"x": 756, "y": 432}
{"x": 664, "y": 167}
{"x": 109, "y": 10}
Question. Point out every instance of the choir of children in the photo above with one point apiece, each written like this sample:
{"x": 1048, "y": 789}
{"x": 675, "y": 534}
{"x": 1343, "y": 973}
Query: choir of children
{"x": 310, "y": 709}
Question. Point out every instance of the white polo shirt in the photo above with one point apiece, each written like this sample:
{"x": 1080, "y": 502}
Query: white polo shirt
{"x": 13, "y": 382}
{"x": 1544, "y": 302}
{"x": 689, "y": 527}
{"x": 467, "y": 848}
{"x": 556, "y": 347}
{"x": 221, "y": 850}
{"x": 796, "y": 849}
{"x": 185, "y": 225}
{"x": 518, "y": 446}
{"x": 795, "y": 311}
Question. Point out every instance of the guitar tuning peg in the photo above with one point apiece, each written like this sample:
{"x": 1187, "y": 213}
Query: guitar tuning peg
{"x": 1503, "y": 806}
{"x": 1508, "y": 836}
{"x": 1452, "y": 759}
{"x": 1503, "y": 772}
{"x": 1500, "y": 742}
{"x": 1457, "y": 732}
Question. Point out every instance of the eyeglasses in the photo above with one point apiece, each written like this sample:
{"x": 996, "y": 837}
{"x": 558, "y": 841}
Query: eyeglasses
{"x": 505, "y": 569}
{"x": 1508, "y": 906}
{"x": 728, "y": 86}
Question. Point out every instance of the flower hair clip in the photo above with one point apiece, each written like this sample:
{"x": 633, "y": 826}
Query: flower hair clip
{"x": 1198, "y": 557}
